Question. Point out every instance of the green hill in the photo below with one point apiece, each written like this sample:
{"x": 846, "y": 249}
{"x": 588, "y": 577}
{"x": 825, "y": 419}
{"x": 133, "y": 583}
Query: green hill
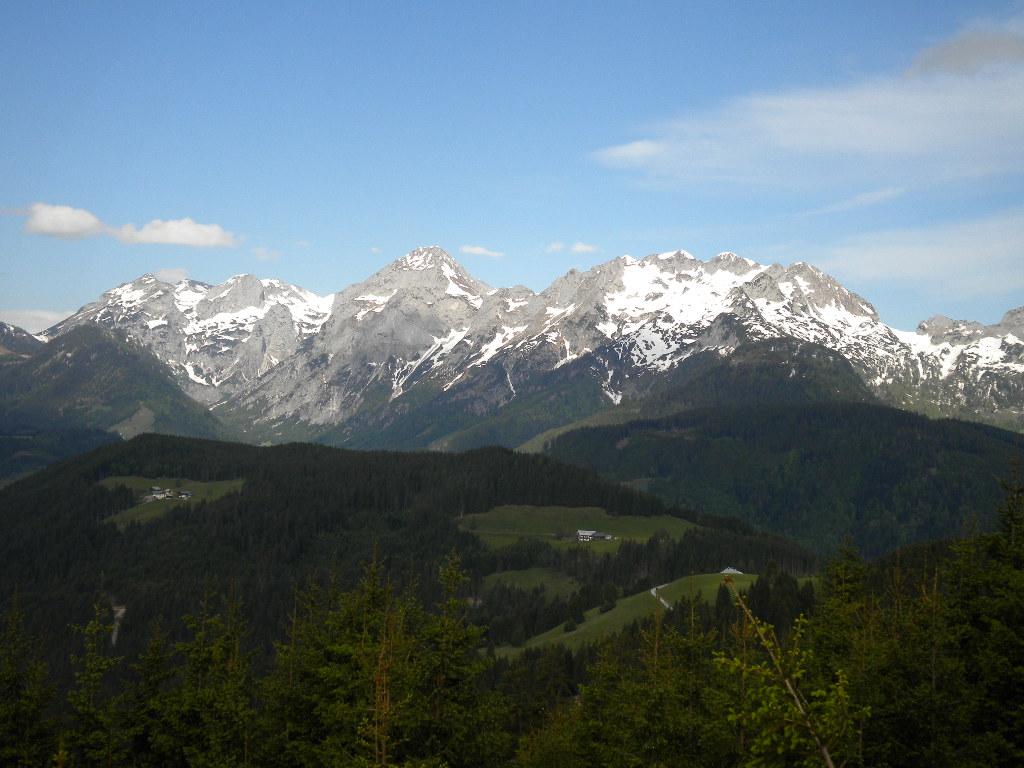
{"x": 599, "y": 624}
{"x": 814, "y": 472}
{"x": 768, "y": 371}
{"x": 262, "y": 518}
{"x": 94, "y": 378}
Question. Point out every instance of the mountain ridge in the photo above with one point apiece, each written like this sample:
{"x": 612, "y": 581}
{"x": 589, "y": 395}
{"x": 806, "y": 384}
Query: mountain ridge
{"x": 93, "y": 377}
{"x": 422, "y": 333}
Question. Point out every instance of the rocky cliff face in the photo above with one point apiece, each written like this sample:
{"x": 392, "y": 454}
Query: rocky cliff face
{"x": 423, "y": 330}
{"x": 213, "y": 338}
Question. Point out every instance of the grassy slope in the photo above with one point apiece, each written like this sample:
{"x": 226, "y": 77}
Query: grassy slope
{"x": 506, "y": 524}
{"x": 630, "y": 609}
{"x": 148, "y": 511}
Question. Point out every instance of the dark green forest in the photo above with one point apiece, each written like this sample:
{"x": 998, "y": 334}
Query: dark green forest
{"x": 330, "y": 611}
{"x": 925, "y": 669}
{"x": 813, "y": 472}
{"x": 304, "y": 509}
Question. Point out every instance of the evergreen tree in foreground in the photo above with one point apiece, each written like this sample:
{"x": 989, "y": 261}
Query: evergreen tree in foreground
{"x": 26, "y": 731}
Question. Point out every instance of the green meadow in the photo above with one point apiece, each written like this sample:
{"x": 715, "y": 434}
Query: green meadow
{"x": 153, "y": 509}
{"x": 597, "y": 625}
{"x": 558, "y": 525}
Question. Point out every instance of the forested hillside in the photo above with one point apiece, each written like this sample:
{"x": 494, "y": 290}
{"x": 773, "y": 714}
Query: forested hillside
{"x": 814, "y": 472}
{"x": 763, "y": 371}
{"x": 27, "y": 451}
{"x": 924, "y": 669}
{"x": 58, "y": 399}
{"x": 264, "y": 520}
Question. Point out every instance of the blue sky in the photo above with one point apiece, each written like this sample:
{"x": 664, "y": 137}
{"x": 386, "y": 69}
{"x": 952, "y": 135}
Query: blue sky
{"x": 316, "y": 142}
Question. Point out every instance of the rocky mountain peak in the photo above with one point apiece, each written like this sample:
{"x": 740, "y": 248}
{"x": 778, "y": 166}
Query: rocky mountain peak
{"x": 427, "y": 257}
{"x": 941, "y": 329}
{"x": 730, "y": 262}
{"x": 138, "y": 290}
{"x": 1012, "y": 322}
{"x": 823, "y": 292}
{"x": 232, "y": 295}
{"x": 678, "y": 257}
{"x": 17, "y": 341}
{"x": 284, "y": 356}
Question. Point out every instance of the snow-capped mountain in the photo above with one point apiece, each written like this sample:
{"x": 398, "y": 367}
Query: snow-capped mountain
{"x": 423, "y": 331}
{"x": 16, "y": 342}
{"x": 214, "y": 338}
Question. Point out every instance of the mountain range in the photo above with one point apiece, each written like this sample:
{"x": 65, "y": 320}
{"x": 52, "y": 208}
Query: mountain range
{"x": 422, "y": 354}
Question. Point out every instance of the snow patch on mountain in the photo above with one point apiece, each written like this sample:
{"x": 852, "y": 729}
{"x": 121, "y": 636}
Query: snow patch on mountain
{"x": 203, "y": 332}
{"x": 283, "y": 353}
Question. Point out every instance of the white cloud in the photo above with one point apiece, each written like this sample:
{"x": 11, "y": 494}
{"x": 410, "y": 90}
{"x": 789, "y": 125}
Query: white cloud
{"x": 583, "y": 248}
{"x": 173, "y": 275}
{"x": 266, "y": 254}
{"x": 635, "y": 153}
{"x": 863, "y": 200}
{"x": 33, "y": 320}
{"x": 72, "y": 223}
{"x": 555, "y": 247}
{"x": 477, "y": 250}
{"x": 980, "y": 257}
{"x": 62, "y": 221}
{"x": 948, "y": 119}
{"x": 176, "y": 232}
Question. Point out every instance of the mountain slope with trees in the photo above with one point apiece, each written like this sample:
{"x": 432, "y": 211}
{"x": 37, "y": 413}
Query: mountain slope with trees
{"x": 924, "y": 670}
{"x": 766, "y": 371}
{"x": 87, "y": 387}
{"x": 94, "y": 377}
{"x": 302, "y": 510}
{"x": 814, "y": 472}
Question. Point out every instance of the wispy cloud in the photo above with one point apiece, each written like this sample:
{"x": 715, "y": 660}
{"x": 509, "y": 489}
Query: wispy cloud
{"x": 965, "y": 259}
{"x": 955, "y": 115}
{"x": 577, "y": 247}
{"x": 69, "y": 223}
{"x": 970, "y": 52}
{"x": 863, "y": 200}
{"x": 172, "y": 275}
{"x": 33, "y": 320}
{"x": 266, "y": 254}
{"x": 478, "y": 250}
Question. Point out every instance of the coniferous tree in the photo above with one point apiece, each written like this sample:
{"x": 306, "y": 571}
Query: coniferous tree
{"x": 94, "y": 738}
{"x": 208, "y": 715}
{"x": 143, "y": 704}
{"x": 986, "y": 613}
{"x": 792, "y": 719}
{"x": 26, "y": 731}
{"x": 370, "y": 678}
